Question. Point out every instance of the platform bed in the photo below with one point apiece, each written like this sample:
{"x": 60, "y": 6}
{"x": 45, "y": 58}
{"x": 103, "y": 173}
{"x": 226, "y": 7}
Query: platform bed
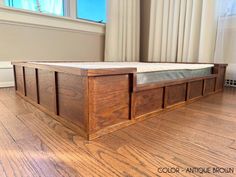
{"x": 95, "y": 99}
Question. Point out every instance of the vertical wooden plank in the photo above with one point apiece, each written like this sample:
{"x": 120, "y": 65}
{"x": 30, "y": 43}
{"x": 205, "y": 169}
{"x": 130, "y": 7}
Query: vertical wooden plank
{"x": 90, "y": 103}
{"x": 165, "y": 97}
{"x": 215, "y": 84}
{"x": 132, "y": 84}
{"x": 37, "y": 85}
{"x": 133, "y": 105}
{"x": 110, "y": 101}
{"x": 56, "y": 111}
{"x": 14, "y": 70}
{"x": 24, "y": 81}
{"x": 187, "y": 91}
{"x": 204, "y": 87}
{"x": 46, "y": 89}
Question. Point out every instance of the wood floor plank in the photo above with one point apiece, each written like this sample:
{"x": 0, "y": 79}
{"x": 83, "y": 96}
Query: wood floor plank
{"x": 92, "y": 163}
{"x": 13, "y": 161}
{"x": 203, "y": 122}
{"x": 201, "y": 134}
{"x": 177, "y": 147}
{"x": 42, "y": 117}
{"x": 30, "y": 146}
{"x": 217, "y": 144}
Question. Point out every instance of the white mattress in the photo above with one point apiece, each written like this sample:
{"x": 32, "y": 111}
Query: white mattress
{"x": 141, "y": 67}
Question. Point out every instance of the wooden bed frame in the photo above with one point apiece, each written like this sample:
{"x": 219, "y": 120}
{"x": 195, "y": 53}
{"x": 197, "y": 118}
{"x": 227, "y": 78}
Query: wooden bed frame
{"x": 95, "y": 102}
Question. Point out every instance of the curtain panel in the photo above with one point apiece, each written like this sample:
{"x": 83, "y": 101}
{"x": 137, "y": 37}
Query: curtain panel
{"x": 182, "y": 30}
{"x": 122, "y": 30}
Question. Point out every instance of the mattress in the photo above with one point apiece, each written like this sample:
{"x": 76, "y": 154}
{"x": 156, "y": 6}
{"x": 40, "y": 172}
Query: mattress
{"x": 160, "y": 76}
{"x": 146, "y": 72}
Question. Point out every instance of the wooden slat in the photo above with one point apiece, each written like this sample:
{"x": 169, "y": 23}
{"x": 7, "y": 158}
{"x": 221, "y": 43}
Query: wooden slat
{"x": 37, "y": 84}
{"x": 24, "y": 81}
{"x": 55, "y": 92}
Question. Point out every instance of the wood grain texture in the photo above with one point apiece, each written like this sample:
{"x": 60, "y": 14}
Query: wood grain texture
{"x": 175, "y": 94}
{"x": 209, "y": 86}
{"x": 19, "y": 79}
{"x": 31, "y": 83}
{"x": 108, "y": 101}
{"x": 73, "y": 98}
{"x": 201, "y": 134}
{"x": 195, "y": 89}
{"x": 97, "y": 102}
{"x": 148, "y": 101}
{"x": 46, "y": 89}
{"x": 221, "y": 78}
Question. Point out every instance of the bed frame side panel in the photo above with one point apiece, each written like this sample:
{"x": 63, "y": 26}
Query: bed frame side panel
{"x": 109, "y": 101}
{"x": 72, "y": 98}
{"x": 62, "y": 95}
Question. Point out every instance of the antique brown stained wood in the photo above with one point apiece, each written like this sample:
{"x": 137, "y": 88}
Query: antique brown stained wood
{"x": 30, "y": 83}
{"x": 195, "y": 89}
{"x": 46, "y": 89}
{"x": 151, "y": 100}
{"x": 109, "y": 101}
{"x": 95, "y": 102}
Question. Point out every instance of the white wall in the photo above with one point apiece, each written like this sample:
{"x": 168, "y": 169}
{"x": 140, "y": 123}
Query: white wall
{"x": 26, "y": 35}
{"x": 32, "y": 36}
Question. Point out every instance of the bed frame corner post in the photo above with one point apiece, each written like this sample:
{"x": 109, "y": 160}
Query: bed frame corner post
{"x": 89, "y": 106}
{"x": 219, "y": 70}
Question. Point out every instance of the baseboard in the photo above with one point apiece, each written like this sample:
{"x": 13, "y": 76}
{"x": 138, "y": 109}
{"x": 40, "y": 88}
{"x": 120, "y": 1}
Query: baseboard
{"x": 6, "y": 84}
{"x": 6, "y": 74}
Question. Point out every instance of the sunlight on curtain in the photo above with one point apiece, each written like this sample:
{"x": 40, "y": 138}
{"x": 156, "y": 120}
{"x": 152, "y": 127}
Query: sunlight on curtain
{"x": 226, "y": 11}
{"x": 226, "y": 37}
{"x": 50, "y": 6}
{"x": 182, "y": 31}
{"x": 123, "y": 30}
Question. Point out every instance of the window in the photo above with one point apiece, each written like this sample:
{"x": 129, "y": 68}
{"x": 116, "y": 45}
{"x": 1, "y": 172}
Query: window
{"x": 44, "y": 6}
{"x": 227, "y": 8}
{"x": 94, "y": 10}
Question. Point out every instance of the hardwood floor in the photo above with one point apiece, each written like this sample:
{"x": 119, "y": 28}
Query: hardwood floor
{"x": 201, "y": 135}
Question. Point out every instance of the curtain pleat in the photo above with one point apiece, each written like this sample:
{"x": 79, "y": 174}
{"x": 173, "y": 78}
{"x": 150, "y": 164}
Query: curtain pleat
{"x": 175, "y": 31}
{"x": 179, "y": 29}
{"x": 122, "y": 30}
{"x": 170, "y": 29}
{"x": 194, "y": 39}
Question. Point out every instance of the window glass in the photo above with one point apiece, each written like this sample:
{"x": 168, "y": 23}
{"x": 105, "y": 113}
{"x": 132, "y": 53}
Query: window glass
{"x": 94, "y": 10}
{"x": 227, "y": 7}
{"x": 45, "y": 6}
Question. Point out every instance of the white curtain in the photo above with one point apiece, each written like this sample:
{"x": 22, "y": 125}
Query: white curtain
{"x": 182, "y": 30}
{"x": 122, "y": 30}
{"x": 226, "y": 37}
{"x": 226, "y": 23}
